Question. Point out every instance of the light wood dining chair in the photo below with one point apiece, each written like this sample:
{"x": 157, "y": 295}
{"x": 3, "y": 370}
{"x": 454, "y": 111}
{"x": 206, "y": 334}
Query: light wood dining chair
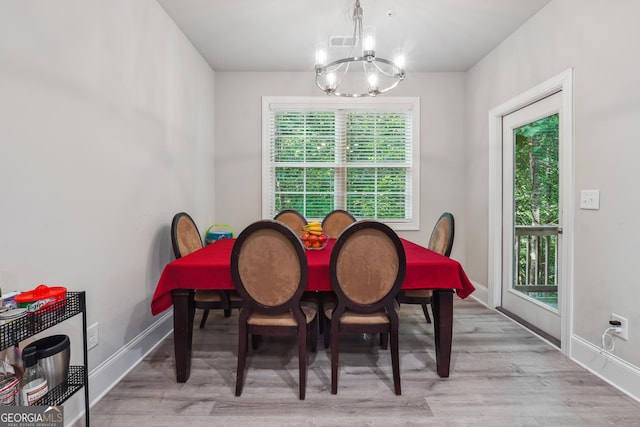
{"x": 269, "y": 271}
{"x": 366, "y": 269}
{"x": 185, "y": 239}
{"x": 294, "y": 219}
{"x": 441, "y": 241}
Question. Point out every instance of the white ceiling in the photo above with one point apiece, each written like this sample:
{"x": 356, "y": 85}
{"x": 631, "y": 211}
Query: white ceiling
{"x": 281, "y": 35}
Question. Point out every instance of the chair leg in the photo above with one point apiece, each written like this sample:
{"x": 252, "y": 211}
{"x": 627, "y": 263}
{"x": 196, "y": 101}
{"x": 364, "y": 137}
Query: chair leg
{"x": 395, "y": 362}
{"x": 302, "y": 360}
{"x": 383, "y": 340}
{"x": 326, "y": 337}
{"x": 242, "y": 357}
{"x": 334, "y": 358}
{"x": 321, "y": 323}
{"x": 227, "y": 312}
{"x": 426, "y": 313}
{"x": 313, "y": 334}
{"x": 204, "y": 318}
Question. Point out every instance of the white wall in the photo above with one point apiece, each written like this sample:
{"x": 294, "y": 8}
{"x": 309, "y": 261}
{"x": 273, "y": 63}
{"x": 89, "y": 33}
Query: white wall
{"x": 599, "y": 39}
{"x": 239, "y": 144}
{"x": 106, "y": 131}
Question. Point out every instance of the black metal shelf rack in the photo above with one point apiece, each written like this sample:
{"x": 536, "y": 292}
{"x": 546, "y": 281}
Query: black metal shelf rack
{"x": 12, "y": 332}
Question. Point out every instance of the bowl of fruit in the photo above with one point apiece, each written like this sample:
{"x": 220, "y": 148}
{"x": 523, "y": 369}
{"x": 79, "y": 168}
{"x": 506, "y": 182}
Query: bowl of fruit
{"x": 312, "y": 236}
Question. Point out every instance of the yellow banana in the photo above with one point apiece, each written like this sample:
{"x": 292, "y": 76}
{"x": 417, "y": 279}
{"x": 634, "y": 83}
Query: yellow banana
{"x": 313, "y": 227}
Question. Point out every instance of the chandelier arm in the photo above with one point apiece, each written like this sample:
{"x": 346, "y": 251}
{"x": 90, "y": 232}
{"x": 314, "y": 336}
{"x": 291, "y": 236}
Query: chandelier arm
{"x": 396, "y": 83}
{"x": 337, "y": 62}
{"x": 335, "y": 65}
{"x": 375, "y": 62}
{"x": 350, "y": 95}
{"x": 343, "y": 74}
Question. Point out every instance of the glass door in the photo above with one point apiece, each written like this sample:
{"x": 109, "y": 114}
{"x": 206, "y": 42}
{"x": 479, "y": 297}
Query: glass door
{"x": 531, "y": 215}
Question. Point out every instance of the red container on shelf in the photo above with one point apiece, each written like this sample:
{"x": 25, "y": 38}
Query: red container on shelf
{"x": 41, "y": 297}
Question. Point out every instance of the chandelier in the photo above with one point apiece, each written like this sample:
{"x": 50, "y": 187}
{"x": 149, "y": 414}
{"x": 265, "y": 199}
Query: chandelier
{"x": 361, "y": 72}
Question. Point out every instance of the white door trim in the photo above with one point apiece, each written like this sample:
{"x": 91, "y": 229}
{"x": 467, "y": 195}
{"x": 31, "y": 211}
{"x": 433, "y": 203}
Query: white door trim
{"x": 561, "y": 82}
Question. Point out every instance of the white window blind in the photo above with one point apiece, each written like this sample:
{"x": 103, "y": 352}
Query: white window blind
{"x": 358, "y": 156}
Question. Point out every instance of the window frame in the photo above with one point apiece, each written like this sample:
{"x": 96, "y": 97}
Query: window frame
{"x": 411, "y": 104}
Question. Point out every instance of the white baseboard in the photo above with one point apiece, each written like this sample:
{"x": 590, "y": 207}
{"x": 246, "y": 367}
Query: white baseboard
{"x": 481, "y": 294}
{"x": 110, "y": 372}
{"x": 617, "y": 372}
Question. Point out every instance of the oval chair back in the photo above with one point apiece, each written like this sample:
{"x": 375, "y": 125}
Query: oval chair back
{"x": 294, "y": 219}
{"x": 441, "y": 240}
{"x": 185, "y": 237}
{"x": 269, "y": 266}
{"x": 367, "y": 266}
{"x": 336, "y": 221}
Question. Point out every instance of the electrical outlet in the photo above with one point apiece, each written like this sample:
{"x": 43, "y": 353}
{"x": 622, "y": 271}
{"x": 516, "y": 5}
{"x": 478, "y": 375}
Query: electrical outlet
{"x": 624, "y": 326}
{"x": 93, "y": 338}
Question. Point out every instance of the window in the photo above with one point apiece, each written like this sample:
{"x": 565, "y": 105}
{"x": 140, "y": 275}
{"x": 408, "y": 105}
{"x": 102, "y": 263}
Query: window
{"x": 361, "y": 155}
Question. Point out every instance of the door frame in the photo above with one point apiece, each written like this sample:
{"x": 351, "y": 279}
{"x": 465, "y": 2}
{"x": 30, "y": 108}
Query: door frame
{"x": 561, "y": 82}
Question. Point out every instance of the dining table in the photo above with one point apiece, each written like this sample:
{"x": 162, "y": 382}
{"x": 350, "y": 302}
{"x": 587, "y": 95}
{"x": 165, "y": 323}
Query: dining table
{"x": 209, "y": 268}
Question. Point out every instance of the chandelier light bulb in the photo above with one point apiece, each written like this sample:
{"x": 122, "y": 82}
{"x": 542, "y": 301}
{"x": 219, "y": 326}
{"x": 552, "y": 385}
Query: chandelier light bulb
{"x": 399, "y": 59}
{"x": 372, "y": 79}
{"x": 331, "y": 81}
{"x": 368, "y": 41}
{"x": 321, "y": 56}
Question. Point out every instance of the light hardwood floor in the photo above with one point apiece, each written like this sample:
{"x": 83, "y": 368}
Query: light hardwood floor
{"x": 501, "y": 375}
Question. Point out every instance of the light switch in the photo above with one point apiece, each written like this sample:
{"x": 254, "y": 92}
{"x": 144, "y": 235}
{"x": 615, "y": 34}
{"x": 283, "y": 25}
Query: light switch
{"x": 590, "y": 199}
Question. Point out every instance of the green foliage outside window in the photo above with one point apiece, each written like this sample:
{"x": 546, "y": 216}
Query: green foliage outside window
{"x": 536, "y": 172}
{"x": 536, "y": 197}
{"x": 361, "y": 166}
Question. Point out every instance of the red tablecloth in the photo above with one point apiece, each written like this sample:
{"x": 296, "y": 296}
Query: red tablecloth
{"x": 208, "y": 268}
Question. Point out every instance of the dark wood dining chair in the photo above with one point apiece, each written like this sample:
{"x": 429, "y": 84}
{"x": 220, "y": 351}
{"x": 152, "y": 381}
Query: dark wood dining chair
{"x": 185, "y": 239}
{"x": 332, "y": 225}
{"x": 441, "y": 241}
{"x": 294, "y": 219}
{"x": 366, "y": 269}
{"x": 336, "y": 221}
{"x": 269, "y": 271}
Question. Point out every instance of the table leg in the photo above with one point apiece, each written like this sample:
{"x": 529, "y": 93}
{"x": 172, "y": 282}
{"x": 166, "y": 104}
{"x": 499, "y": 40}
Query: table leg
{"x": 183, "y": 313}
{"x": 442, "y": 305}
